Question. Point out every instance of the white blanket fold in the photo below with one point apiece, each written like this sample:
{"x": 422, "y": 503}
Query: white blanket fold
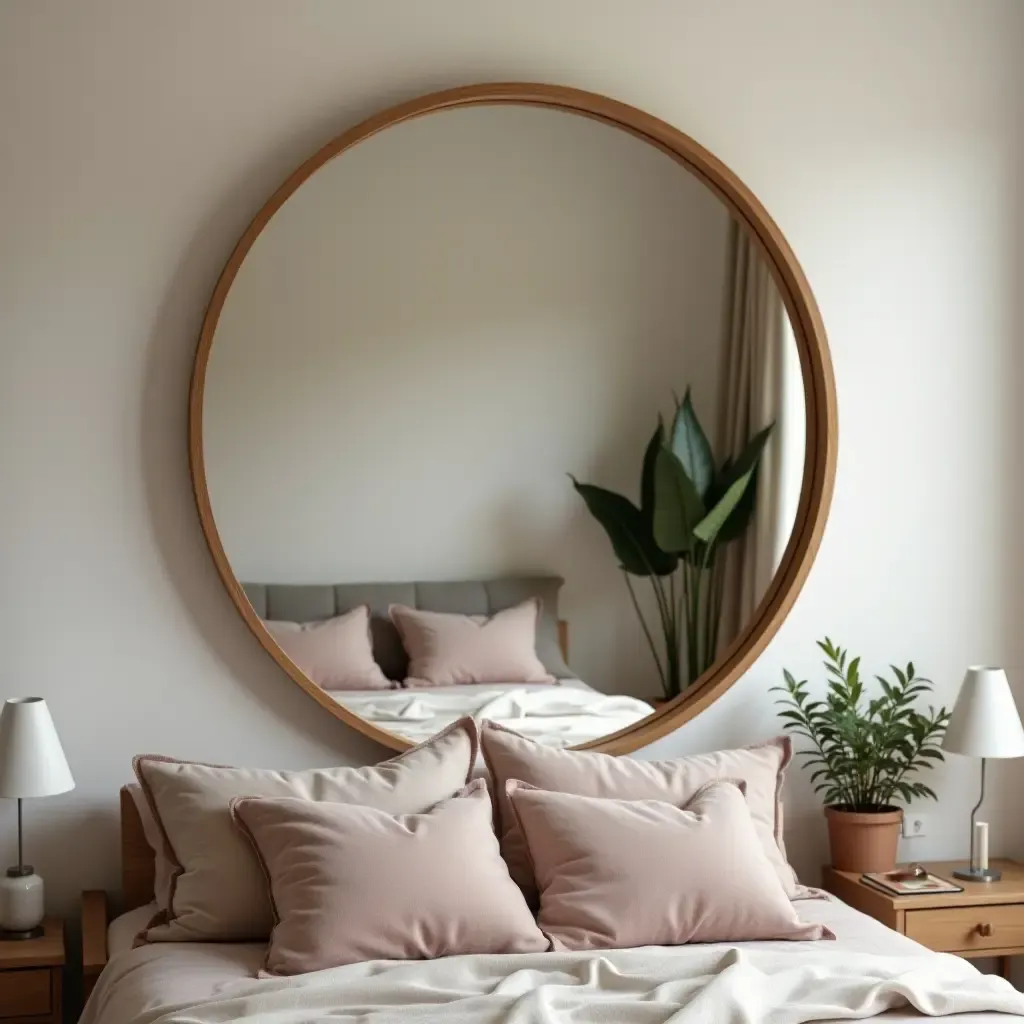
{"x": 654, "y": 985}
{"x": 560, "y": 716}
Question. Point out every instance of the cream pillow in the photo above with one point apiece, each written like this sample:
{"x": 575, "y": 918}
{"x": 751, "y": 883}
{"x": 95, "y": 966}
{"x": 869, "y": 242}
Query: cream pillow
{"x": 351, "y": 883}
{"x": 619, "y": 873}
{"x": 337, "y": 654}
{"x": 446, "y": 650}
{"x": 217, "y": 889}
{"x": 511, "y": 756}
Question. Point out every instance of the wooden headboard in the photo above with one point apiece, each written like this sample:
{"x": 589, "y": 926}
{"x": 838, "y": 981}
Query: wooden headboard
{"x": 138, "y": 863}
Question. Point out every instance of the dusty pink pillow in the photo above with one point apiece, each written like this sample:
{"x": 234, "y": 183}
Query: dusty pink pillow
{"x": 511, "y": 756}
{"x": 621, "y": 873}
{"x": 445, "y": 650}
{"x": 351, "y": 883}
{"x": 336, "y": 654}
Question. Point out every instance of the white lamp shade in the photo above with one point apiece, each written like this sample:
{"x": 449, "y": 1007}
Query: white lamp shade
{"x": 32, "y": 761}
{"x": 985, "y": 722}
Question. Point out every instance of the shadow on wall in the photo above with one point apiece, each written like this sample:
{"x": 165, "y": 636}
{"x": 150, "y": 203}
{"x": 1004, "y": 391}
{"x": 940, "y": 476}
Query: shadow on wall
{"x": 164, "y": 449}
{"x": 1009, "y": 774}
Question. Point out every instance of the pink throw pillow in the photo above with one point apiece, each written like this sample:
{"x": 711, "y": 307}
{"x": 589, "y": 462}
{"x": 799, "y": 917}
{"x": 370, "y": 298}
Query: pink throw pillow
{"x": 337, "y": 654}
{"x": 445, "y": 650}
{"x": 620, "y": 873}
{"x": 511, "y": 756}
{"x": 351, "y": 883}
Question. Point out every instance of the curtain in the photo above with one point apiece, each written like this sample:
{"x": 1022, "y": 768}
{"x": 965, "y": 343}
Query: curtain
{"x": 756, "y": 327}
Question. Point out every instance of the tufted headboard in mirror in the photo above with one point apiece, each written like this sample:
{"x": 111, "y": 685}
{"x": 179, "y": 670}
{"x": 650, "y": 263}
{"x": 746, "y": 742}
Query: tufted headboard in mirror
{"x": 292, "y": 602}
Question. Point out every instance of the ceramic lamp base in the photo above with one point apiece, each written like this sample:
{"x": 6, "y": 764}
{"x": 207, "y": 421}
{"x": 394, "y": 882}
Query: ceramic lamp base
{"x": 32, "y": 933}
{"x": 968, "y": 874}
{"x": 22, "y": 904}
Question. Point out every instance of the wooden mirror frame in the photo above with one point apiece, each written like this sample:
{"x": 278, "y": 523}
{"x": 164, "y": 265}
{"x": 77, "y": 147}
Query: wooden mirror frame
{"x": 819, "y": 388}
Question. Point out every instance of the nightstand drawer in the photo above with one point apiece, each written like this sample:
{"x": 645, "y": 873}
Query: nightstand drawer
{"x": 962, "y": 929}
{"x": 24, "y": 993}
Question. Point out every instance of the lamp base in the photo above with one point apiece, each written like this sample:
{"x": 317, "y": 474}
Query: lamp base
{"x": 32, "y": 933}
{"x": 969, "y": 874}
{"x": 22, "y": 906}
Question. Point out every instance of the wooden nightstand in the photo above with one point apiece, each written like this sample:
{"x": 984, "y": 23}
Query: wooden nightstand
{"x": 30, "y": 977}
{"x": 986, "y": 919}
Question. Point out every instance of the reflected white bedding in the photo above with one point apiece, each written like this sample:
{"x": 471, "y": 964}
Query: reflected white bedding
{"x": 869, "y": 969}
{"x": 559, "y": 716}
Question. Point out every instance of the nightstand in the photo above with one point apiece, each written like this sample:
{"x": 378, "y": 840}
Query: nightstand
{"x": 986, "y": 919}
{"x": 30, "y": 977}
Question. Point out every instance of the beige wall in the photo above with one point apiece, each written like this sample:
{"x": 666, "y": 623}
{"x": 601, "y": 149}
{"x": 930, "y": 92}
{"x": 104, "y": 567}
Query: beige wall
{"x": 138, "y": 139}
{"x": 439, "y": 327}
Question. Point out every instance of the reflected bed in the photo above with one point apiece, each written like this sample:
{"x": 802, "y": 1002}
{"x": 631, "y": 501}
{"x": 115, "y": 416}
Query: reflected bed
{"x": 564, "y": 715}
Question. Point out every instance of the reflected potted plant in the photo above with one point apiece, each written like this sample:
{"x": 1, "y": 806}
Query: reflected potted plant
{"x": 691, "y": 507}
{"x": 865, "y": 752}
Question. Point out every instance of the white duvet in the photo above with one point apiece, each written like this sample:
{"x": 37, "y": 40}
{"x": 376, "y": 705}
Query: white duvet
{"x": 559, "y": 716}
{"x": 869, "y": 970}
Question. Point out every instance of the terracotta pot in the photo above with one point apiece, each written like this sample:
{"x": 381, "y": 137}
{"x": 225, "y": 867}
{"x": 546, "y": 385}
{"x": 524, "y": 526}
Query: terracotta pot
{"x": 864, "y": 840}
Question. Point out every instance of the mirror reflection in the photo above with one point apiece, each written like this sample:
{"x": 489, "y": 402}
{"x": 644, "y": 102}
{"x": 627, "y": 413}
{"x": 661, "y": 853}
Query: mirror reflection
{"x": 509, "y": 391}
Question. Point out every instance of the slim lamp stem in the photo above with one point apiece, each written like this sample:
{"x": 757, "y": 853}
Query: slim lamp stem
{"x": 21, "y": 859}
{"x": 974, "y": 872}
{"x": 974, "y": 814}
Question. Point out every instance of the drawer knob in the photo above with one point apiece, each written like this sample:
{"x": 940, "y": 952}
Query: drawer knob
{"x": 984, "y": 929}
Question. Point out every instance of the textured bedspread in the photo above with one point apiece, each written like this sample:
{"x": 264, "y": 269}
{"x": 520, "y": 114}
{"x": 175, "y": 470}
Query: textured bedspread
{"x": 559, "y": 716}
{"x": 759, "y": 983}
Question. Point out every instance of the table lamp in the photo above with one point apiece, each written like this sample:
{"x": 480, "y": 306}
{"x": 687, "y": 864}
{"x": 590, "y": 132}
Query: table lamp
{"x": 984, "y": 724}
{"x": 32, "y": 763}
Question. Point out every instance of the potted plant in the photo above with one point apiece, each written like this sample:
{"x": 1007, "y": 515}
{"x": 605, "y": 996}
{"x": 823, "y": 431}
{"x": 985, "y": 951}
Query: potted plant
{"x": 691, "y": 507}
{"x": 865, "y": 751}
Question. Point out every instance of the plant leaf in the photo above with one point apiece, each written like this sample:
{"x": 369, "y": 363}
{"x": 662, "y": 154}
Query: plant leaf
{"x": 677, "y": 505}
{"x": 736, "y": 525}
{"x": 868, "y": 746}
{"x": 647, "y": 473}
{"x": 711, "y": 525}
{"x": 690, "y": 445}
{"x": 748, "y": 462}
{"x": 629, "y": 532}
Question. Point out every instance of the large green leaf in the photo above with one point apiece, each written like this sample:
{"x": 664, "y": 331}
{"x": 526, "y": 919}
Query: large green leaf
{"x": 737, "y": 523}
{"x": 748, "y": 462}
{"x": 751, "y": 454}
{"x": 647, "y": 473}
{"x": 710, "y": 526}
{"x": 690, "y": 445}
{"x": 677, "y": 505}
{"x": 628, "y": 530}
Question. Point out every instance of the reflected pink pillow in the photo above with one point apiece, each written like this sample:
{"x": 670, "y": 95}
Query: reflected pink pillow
{"x": 336, "y": 654}
{"x": 618, "y": 873}
{"x": 445, "y": 650}
{"x": 352, "y": 883}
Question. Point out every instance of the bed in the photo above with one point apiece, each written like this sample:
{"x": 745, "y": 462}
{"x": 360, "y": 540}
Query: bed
{"x": 869, "y": 970}
{"x": 565, "y": 715}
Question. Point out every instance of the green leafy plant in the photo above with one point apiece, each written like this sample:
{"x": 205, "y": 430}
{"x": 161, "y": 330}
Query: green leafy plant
{"x": 690, "y": 508}
{"x": 864, "y": 750}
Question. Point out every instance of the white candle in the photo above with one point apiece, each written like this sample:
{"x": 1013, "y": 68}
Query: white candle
{"x": 981, "y": 845}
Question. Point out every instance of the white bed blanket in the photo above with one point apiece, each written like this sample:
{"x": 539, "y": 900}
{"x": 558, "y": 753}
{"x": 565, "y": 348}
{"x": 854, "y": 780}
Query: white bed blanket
{"x": 559, "y": 716}
{"x": 753, "y": 983}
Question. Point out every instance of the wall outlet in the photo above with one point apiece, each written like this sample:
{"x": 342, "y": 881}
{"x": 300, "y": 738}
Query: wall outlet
{"x": 914, "y": 825}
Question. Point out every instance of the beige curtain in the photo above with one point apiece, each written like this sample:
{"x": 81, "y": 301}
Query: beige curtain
{"x": 756, "y": 326}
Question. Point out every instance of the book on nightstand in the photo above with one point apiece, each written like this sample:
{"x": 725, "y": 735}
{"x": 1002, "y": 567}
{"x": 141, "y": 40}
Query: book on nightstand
{"x": 891, "y": 882}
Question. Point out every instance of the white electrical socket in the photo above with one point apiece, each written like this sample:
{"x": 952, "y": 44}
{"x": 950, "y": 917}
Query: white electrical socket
{"x": 914, "y": 825}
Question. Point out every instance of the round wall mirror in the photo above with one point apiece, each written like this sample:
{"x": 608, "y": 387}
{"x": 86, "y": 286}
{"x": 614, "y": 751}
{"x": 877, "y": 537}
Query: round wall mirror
{"x": 513, "y": 402}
